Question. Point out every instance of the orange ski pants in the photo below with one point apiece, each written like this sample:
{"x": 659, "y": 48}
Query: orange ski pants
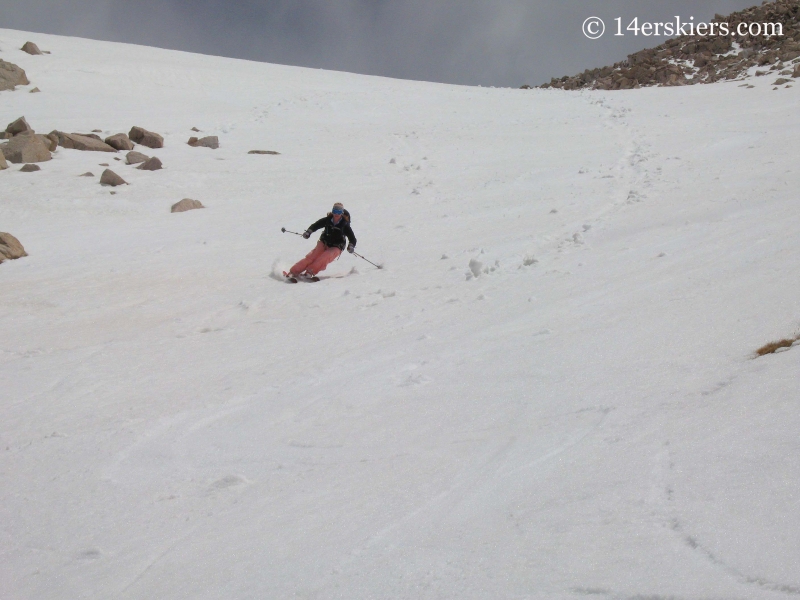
{"x": 316, "y": 260}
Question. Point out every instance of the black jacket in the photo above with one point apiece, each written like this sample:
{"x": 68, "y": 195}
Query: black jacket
{"x": 335, "y": 234}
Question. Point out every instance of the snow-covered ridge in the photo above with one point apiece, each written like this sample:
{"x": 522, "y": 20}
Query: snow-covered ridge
{"x": 693, "y": 58}
{"x": 549, "y": 392}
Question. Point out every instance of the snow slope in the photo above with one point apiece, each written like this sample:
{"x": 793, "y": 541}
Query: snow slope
{"x": 582, "y": 419}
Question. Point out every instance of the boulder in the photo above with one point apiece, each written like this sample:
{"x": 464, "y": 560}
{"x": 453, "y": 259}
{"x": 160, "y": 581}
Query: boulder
{"x": 19, "y": 126}
{"x": 10, "y": 248}
{"x": 26, "y": 148}
{"x": 120, "y": 141}
{"x": 35, "y": 91}
{"x": 195, "y": 129}
{"x": 3, "y": 163}
{"x": 52, "y": 144}
{"x": 31, "y": 48}
{"x": 210, "y": 141}
{"x": 268, "y": 151}
{"x": 134, "y": 158}
{"x": 77, "y": 141}
{"x": 186, "y": 204}
{"x": 781, "y": 81}
{"x": 30, "y": 168}
{"x": 110, "y": 178}
{"x": 141, "y": 136}
{"x": 151, "y": 164}
{"x": 11, "y": 75}
{"x": 94, "y": 136}
{"x": 796, "y": 71}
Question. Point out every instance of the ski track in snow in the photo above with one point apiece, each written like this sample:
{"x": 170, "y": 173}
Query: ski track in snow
{"x": 547, "y": 392}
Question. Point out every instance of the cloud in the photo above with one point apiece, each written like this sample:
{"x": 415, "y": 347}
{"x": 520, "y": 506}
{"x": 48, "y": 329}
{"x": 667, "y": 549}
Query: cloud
{"x": 498, "y": 42}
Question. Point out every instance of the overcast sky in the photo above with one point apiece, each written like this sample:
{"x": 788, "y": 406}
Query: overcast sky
{"x": 497, "y": 42}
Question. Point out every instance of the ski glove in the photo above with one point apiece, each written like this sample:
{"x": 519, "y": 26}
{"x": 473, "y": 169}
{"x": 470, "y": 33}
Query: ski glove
{"x": 350, "y": 248}
{"x": 306, "y": 234}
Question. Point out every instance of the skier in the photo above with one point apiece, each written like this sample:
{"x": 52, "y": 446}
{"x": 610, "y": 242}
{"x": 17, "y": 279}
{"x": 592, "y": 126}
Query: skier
{"x": 330, "y": 244}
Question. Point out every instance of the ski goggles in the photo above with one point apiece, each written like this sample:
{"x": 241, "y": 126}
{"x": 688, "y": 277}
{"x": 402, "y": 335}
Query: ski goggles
{"x": 337, "y": 211}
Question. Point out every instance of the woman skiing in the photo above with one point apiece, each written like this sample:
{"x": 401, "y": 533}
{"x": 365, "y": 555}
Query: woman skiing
{"x": 330, "y": 244}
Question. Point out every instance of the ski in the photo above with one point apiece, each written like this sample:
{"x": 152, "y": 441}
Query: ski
{"x": 295, "y": 279}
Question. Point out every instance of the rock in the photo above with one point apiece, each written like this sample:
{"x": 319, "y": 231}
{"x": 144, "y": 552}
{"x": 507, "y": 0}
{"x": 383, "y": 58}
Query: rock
{"x": 51, "y": 144}
{"x": 796, "y": 71}
{"x": 210, "y": 141}
{"x": 273, "y": 152}
{"x": 11, "y": 75}
{"x": 119, "y": 141}
{"x": 141, "y": 136}
{"x": 78, "y": 141}
{"x": 19, "y": 126}
{"x": 31, "y": 48}
{"x": 10, "y": 248}
{"x": 35, "y": 91}
{"x": 26, "y": 148}
{"x": 94, "y": 136}
{"x": 195, "y": 129}
{"x": 97, "y": 131}
{"x": 53, "y": 138}
{"x": 151, "y": 164}
{"x": 87, "y": 174}
{"x": 30, "y": 168}
{"x": 110, "y": 178}
{"x": 781, "y": 81}
{"x": 186, "y": 204}
{"x": 3, "y": 163}
{"x": 134, "y": 158}
{"x": 104, "y": 164}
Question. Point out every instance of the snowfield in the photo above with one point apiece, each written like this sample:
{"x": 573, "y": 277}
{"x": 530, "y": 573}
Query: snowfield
{"x": 549, "y": 392}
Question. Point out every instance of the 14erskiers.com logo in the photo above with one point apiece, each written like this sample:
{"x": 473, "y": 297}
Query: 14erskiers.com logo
{"x": 594, "y": 28}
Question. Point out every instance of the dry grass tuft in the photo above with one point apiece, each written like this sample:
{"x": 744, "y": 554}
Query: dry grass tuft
{"x": 773, "y": 346}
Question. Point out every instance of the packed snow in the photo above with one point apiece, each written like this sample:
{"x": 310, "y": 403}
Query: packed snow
{"x": 548, "y": 392}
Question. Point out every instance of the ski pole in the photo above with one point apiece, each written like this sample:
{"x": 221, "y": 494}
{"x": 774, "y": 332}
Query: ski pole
{"x": 284, "y": 230}
{"x": 369, "y": 261}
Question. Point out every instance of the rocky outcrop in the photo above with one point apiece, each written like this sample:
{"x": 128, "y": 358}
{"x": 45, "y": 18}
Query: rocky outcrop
{"x": 11, "y": 75}
{"x": 119, "y": 141}
{"x": 110, "y": 178}
{"x": 77, "y": 141}
{"x": 25, "y": 148}
{"x": 692, "y": 59}
{"x": 210, "y": 141}
{"x": 151, "y": 164}
{"x": 134, "y": 158}
{"x": 10, "y": 248}
{"x": 31, "y": 48}
{"x": 30, "y": 168}
{"x": 139, "y": 135}
{"x": 263, "y": 152}
{"x": 19, "y": 126}
{"x": 186, "y": 204}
